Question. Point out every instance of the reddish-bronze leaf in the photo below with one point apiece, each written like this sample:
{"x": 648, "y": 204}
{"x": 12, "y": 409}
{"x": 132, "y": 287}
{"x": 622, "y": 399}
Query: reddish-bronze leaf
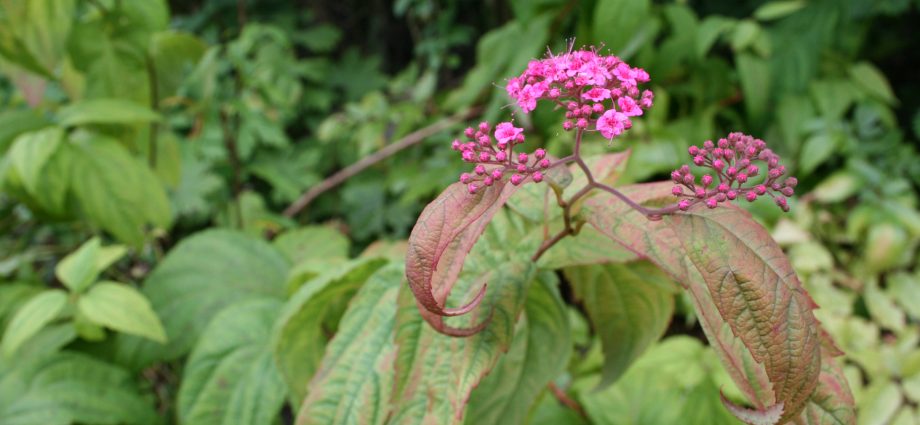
{"x": 442, "y": 237}
{"x": 749, "y": 301}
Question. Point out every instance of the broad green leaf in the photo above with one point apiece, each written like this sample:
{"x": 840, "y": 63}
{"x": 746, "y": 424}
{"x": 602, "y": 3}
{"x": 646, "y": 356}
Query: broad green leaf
{"x": 745, "y": 33}
{"x": 302, "y": 329}
{"x": 122, "y": 308}
{"x": 879, "y": 403}
{"x": 754, "y": 74}
{"x": 174, "y": 55}
{"x": 709, "y": 31}
{"x": 630, "y": 306}
{"x": 230, "y": 377}
{"x": 441, "y": 239}
{"x": 105, "y": 111}
{"x": 905, "y": 290}
{"x": 870, "y": 79}
{"x": 886, "y": 245}
{"x": 12, "y": 296}
{"x": 79, "y": 269}
{"x": 14, "y": 122}
{"x": 116, "y": 191}
{"x": 30, "y": 153}
{"x": 587, "y": 247}
{"x": 202, "y": 275}
{"x": 69, "y": 388}
{"x": 749, "y": 301}
{"x": 882, "y": 308}
{"x": 674, "y": 383}
{"x": 618, "y": 22}
{"x": 35, "y": 314}
{"x": 355, "y": 378}
{"x": 312, "y": 243}
{"x": 436, "y": 372}
{"x": 837, "y": 187}
{"x": 778, "y": 9}
{"x": 816, "y": 151}
{"x": 506, "y": 395}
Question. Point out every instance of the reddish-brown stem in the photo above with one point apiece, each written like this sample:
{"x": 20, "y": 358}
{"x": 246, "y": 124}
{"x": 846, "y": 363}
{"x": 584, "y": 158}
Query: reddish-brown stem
{"x": 566, "y": 400}
{"x": 388, "y": 151}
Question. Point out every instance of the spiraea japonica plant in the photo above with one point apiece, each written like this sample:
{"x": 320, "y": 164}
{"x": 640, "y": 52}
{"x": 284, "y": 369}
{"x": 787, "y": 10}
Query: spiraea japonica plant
{"x": 568, "y": 212}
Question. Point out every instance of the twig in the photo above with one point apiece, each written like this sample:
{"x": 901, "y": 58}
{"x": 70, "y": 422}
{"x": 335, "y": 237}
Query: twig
{"x": 155, "y": 105}
{"x": 234, "y": 158}
{"x": 388, "y": 151}
{"x": 566, "y": 400}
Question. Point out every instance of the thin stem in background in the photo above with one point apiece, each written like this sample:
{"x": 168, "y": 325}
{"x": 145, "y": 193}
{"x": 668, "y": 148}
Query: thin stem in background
{"x": 155, "y": 106}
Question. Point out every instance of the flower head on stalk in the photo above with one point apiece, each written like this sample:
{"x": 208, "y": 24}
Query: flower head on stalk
{"x": 736, "y": 174}
{"x": 598, "y": 92}
{"x": 495, "y": 159}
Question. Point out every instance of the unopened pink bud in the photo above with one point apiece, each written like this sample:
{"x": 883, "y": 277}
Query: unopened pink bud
{"x": 782, "y": 203}
{"x": 706, "y": 180}
{"x": 455, "y": 145}
{"x": 723, "y": 187}
{"x": 708, "y": 145}
{"x": 522, "y": 157}
{"x": 684, "y": 205}
{"x": 465, "y": 178}
{"x": 791, "y": 182}
{"x": 519, "y": 138}
{"x": 501, "y": 156}
{"x": 496, "y": 174}
{"x": 718, "y": 152}
{"x": 700, "y": 192}
{"x": 502, "y": 144}
{"x": 753, "y": 170}
{"x": 776, "y": 186}
{"x": 773, "y": 162}
{"x": 743, "y": 163}
{"x": 693, "y": 150}
{"x": 469, "y": 132}
{"x": 517, "y": 179}
{"x": 598, "y": 107}
{"x": 469, "y": 156}
{"x": 544, "y": 163}
{"x": 586, "y": 110}
{"x": 720, "y": 197}
{"x": 698, "y": 160}
{"x": 718, "y": 164}
{"x": 484, "y": 156}
{"x": 677, "y": 191}
{"x": 571, "y": 106}
{"x": 676, "y": 176}
{"x": 480, "y": 169}
{"x": 567, "y": 125}
{"x": 741, "y": 177}
{"x": 750, "y": 196}
{"x": 472, "y": 188}
{"x": 484, "y": 127}
{"x": 554, "y": 93}
{"x": 788, "y": 191}
{"x": 521, "y": 168}
{"x": 688, "y": 179}
{"x": 731, "y": 195}
{"x": 774, "y": 173}
{"x": 723, "y": 143}
{"x": 581, "y": 123}
{"x": 485, "y": 141}
{"x": 537, "y": 176}
{"x": 760, "y": 189}
{"x": 487, "y": 181}
{"x": 728, "y": 153}
{"x": 712, "y": 203}
{"x": 684, "y": 169}
{"x": 731, "y": 171}
{"x": 539, "y": 153}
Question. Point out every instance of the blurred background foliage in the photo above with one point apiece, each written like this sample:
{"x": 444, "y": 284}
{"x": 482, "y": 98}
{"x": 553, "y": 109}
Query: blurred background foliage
{"x": 148, "y": 122}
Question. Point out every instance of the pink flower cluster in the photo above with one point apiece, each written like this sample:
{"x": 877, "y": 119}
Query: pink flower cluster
{"x": 598, "y": 92}
{"x": 732, "y": 159}
{"x": 495, "y": 158}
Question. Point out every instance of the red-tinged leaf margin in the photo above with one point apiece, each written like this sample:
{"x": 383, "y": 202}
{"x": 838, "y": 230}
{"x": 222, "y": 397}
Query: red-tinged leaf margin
{"x": 442, "y": 237}
{"x": 769, "y": 416}
{"x": 832, "y": 402}
{"x": 768, "y": 381}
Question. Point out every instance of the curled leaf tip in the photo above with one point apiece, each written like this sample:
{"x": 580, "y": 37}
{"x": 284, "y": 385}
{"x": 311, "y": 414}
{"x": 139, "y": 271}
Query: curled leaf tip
{"x": 437, "y": 322}
{"x": 466, "y": 308}
{"x": 769, "y": 416}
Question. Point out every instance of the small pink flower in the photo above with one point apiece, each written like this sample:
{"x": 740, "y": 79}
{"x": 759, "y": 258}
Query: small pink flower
{"x": 506, "y": 132}
{"x": 612, "y": 123}
{"x": 629, "y": 107}
{"x": 596, "y": 94}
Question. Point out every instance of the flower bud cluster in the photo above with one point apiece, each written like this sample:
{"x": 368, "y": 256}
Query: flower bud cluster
{"x": 597, "y": 92}
{"x": 495, "y": 159}
{"x": 734, "y": 161}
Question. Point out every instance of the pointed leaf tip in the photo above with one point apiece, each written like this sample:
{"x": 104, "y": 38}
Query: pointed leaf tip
{"x": 768, "y": 416}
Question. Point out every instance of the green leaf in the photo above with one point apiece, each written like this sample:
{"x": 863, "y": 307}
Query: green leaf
{"x": 312, "y": 243}
{"x": 745, "y": 33}
{"x": 709, "y": 31}
{"x": 746, "y": 295}
{"x": 754, "y": 74}
{"x": 105, "y": 111}
{"x": 72, "y": 388}
{"x": 837, "y": 187}
{"x": 630, "y": 306}
{"x": 587, "y": 247}
{"x": 617, "y": 22}
{"x": 870, "y": 79}
{"x": 817, "y": 150}
{"x": 14, "y": 122}
{"x": 35, "y": 314}
{"x": 356, "y": 375}
{"x": 116, "y": 191}
{"x": 202, "y": 275}
{"x": 506, "y": 395}
{"x": 230, "y": 378}
{"x": 778, "y": 9}
{"x": 30, "y": 153}
{"x": 79, "y": 269}
{"x": 174, "y": 55}
{"x": 673, "y": 383}
{"x": 300, "y": 335}
{"x": 122, "y": 308}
